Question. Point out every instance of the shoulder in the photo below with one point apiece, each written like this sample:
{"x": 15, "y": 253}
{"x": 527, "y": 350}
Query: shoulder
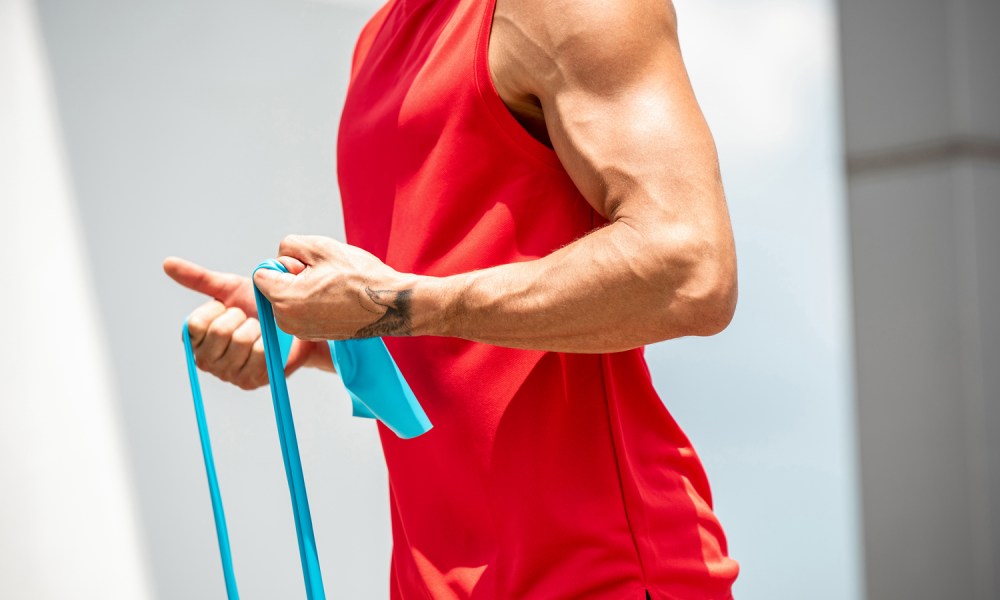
{"x": 593, "y": 44}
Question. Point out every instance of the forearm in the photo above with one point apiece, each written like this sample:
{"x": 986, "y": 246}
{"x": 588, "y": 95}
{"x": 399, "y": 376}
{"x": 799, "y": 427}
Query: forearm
{"x": 617, "y": 288}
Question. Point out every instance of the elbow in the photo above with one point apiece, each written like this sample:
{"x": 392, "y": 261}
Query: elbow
{"x": 712, "y": 311}
{"x": 704, "y": 290}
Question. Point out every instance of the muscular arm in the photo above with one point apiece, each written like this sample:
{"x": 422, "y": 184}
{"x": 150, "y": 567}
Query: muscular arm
{"x": 604, "y": 81}
{"x": 609, "y": 79}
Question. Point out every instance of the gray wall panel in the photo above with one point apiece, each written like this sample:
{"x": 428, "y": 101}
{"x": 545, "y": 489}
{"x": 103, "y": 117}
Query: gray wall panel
{"x": 923, "y": 153}
{"x": 912, "y": 424}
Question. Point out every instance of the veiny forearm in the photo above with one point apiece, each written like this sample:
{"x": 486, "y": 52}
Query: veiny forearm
{"x": 619, "y": 287}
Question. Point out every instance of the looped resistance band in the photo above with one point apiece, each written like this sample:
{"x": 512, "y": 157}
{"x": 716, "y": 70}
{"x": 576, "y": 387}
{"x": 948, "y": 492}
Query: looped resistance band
{"x": 377, "y": 389}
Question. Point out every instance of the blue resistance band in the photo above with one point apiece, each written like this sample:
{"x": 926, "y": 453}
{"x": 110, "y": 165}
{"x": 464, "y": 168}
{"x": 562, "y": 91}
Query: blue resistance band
{"x": 377, "y": 389}
{"x": 221, "y": 531}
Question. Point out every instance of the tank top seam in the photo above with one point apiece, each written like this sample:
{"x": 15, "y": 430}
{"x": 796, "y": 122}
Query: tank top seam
{"x": 618, "y": 473}
{"x": 499, "y": 113}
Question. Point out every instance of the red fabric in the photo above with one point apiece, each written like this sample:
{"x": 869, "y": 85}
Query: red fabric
{"x": 547, "y": 475}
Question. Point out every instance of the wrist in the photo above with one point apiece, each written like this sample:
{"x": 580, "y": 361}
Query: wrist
{"x": 434, "y": 305}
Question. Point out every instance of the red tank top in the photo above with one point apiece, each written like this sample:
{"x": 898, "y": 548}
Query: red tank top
{"x": 547, "y": 475}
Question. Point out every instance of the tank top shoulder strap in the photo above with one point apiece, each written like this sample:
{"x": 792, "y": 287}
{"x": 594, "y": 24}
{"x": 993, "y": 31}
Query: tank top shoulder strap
{"x": 368, "y": 34}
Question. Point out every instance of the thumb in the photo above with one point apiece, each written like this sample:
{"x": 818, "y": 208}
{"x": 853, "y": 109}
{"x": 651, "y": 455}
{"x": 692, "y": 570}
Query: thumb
{"x": 198, "y": 278}
{"x": 271, "y": 283}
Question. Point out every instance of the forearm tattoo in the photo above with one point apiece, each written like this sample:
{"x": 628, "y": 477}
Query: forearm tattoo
{"x": 396, "y": 318}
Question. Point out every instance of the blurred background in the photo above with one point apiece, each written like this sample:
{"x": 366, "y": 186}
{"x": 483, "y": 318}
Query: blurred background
{"x": 847, "y": 419}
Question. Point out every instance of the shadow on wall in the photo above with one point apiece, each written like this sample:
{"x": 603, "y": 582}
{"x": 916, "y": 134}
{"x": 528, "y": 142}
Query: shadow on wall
{"x": 207, "y": 130}
{"x": 67, "y": 511}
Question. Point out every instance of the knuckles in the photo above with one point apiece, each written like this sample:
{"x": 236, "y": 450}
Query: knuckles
{"x": 248, "y": 376}
{"x": 197, "y": 326}
{"x": 202, "y": 317}
{"x": 294, "y": 245}
{"x": 245, "y": 336}
{"x": 225, "y": 325}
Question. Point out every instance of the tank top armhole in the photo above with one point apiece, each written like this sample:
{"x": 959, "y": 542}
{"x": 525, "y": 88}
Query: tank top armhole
{"x": 501, "y": 116}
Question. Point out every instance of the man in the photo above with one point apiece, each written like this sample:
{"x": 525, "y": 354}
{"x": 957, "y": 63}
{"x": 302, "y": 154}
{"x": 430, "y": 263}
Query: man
{"x": 530, "y": 194}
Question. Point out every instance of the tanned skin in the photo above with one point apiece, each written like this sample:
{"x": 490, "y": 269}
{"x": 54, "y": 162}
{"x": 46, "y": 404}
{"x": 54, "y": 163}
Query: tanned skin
{"x": 602, "y": 83}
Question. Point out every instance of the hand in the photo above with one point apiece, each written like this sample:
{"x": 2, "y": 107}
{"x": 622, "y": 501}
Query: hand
{"x": 335, "y": 291}
{"x": 225, "y": 333}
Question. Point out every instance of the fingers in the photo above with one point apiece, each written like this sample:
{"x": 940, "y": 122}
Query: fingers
{"x": 309, "y": 249}
{"x": 219, "y": 335}
{"x": 243, "y": 363}
{"x": 228, "y": 366}
{"x": 294, "y": 265}
{"x": 320, "y": 357}
{"x": 229, "y": 345}
{"x": 227, "y": 342}
{"x": 198, "y": 278}
{"x": 201, "y": 318}
{"x": 299, "y": 355}
{"x": 253, "y": 374}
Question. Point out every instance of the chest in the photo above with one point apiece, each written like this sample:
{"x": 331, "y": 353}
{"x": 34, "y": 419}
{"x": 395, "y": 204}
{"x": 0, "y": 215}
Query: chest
{"x": 435, "y": 176}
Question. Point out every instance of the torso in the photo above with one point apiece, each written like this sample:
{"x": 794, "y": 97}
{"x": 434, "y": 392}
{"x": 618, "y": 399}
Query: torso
{"x": 547, "y": 475}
